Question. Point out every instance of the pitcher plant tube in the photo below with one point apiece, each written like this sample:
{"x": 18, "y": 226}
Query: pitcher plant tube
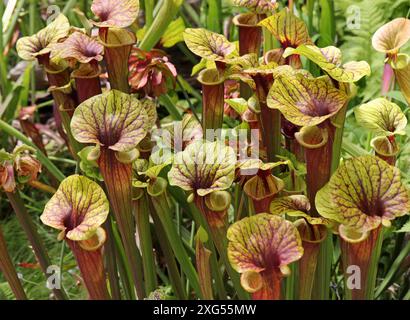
{"x": 363, "y": 195}
{"x": 113, "y": 19}
{"x": 78, "y": 209}
{"x": 388, "y": 39}
{"x": 87, "y": 52}
{"x": 206, "y": 170}
{"x": 260, "y": 248}
{"x": 115, "y": 122}
{"x": 386, "y": 120}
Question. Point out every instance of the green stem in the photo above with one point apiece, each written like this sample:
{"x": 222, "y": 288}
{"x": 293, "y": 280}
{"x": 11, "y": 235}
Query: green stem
{"x": 169, "y": 105}
{"x": 214, "y": 16}
{"x": 30, "y": 229}
{"x": 321, "y": 287}
{"x": 118, "y": 181}
{"x": 218, "y": 235}
{"x": 162, "y": 20}
{"x": 123, "y": 267}
{"x": 141, "y": 213}
{"x": 219, "y": 282}
{"x": 13, "y": 20}
{"x": 9, "y": 272}
{"x": 174, "y": 275}
{"x": 393, "y": 270}
{"x": 8, "y": 129}
{"x": 291, "y": 282}
{"x": 161, "y": 205}
{"x": 149, "y": 12}
{"x": 110, "y": 256}
{"x": 374, "y": 264}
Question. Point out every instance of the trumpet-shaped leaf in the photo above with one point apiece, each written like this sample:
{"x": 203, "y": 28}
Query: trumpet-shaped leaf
{"x": 381, "y": 116}
{"x": 78, "y": 208}
{"x": 208, "y": 45}
{"x": 392, "y": 36}
{"x": 263, "y": 242}
{"x": 295, "y": 206}
{"x": 112, "y": 119}
{"x": 288, "y": 29}
{"x": 28, "y": 48}
{"x": 293, "y": 203}
{"x": 363, "y": 193}
{"x": 329, "y": 59}
{"x": 385, "y": 147}
{"x": 305, "y": 101}
{"x": 80, "y": 47}
{"x": 119, "y": 13}
{"x": 402, "y": 73}
{"x": 258, "y": 6}
{"x": 203, "y": 167}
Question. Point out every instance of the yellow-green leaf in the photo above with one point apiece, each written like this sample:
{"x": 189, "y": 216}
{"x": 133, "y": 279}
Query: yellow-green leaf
{"x": 113, "y": 119}
{"x": 208, "y": 45}
{"x": 174, "y": 33}
{"x": 363, "y": 193}
{"x": 329, "y": 59}
{"x": 28, "y": 48}
{"x": 305, "y": 101}
{"x": 382, "y": 117}
{"x": 287, "y": 28}
{"x": 78, "y": 208}
{"x": 203, "y": 167}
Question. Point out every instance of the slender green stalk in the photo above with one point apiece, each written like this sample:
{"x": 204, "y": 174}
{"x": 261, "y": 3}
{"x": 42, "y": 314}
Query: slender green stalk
{"x": 4, "y": 83}
{"x": 30, "y": 229}
{"x": 149, "y": 12}
{"x": 393, "y": 270}
{"x": 374, "y": 265}
{"x": 160, "y": 202}
{"x": 9, "y": 272}
{"x": 291, "y": 282}
{"x": 218, "y": 236}
{"x": 8, "y": 129}
{"x": 327, "y": 24}
{"x": 110, "y": 256}
{"x": 169, "y": 105}
{"x": 214, "y": 16}
{"x": 141, "y": 213}
{"x": 68, "y": 6}
{"x": 321, "y": 287}
{"x": 13, "y": 20}
{"x": 165, "y": 15}
{"x": 191, "y": 13}
{"x": 219, "y": 282}
{"x": 123, "y": 267}
{"x": 174, "y": 275}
